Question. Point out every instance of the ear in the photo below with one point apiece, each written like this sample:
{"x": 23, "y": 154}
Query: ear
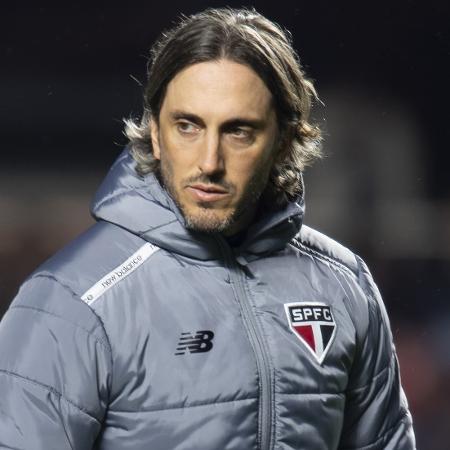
{"x": 154, "y": 132}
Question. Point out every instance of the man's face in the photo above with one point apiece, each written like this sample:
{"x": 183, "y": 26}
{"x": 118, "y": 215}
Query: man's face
{"x": 216, "y": 141}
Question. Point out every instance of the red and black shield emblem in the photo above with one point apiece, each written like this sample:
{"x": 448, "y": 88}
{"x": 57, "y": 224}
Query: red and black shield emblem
{"x": 314, "y": 325}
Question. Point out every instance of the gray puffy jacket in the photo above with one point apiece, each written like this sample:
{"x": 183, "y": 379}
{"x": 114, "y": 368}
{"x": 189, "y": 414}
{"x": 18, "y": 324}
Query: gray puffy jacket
{"x": 143, "y": 335}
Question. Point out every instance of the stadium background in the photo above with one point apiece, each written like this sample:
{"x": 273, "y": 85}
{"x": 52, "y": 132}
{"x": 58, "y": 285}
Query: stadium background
{"x": 71, "y": 73}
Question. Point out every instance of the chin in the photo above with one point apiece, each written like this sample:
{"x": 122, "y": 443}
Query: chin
{"x": 207, "y": 221}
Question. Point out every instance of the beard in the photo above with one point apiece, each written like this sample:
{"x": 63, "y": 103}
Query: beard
{"x": 206, "y": 218}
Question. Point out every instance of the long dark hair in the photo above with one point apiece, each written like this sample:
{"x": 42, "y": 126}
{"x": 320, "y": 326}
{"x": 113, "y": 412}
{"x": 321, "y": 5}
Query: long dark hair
{"x": 246, "y": 37}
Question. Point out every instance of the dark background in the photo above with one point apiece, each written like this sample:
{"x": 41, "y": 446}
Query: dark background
{"x": 70, "y": 74}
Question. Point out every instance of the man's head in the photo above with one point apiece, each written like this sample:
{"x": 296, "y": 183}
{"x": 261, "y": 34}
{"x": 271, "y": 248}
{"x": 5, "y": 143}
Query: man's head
{"x": 226, "y": 111}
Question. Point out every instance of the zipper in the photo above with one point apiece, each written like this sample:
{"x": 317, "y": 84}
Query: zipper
{"x": 258, "y": 345}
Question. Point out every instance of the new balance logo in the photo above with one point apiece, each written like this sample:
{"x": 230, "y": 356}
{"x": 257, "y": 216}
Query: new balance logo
{"x": 200, "y": 342}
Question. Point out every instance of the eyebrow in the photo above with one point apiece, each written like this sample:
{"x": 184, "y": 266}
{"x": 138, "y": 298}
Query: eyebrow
{"x": 228, "y": 124}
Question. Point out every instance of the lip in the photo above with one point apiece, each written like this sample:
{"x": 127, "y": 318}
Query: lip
{"x": 207, "y": 192}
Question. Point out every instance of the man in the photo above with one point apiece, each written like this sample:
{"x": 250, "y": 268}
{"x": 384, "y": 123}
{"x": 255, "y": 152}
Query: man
{"x": 198, "y": 313}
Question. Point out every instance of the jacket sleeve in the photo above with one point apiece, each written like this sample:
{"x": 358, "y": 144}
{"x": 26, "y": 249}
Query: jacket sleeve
{"x": 376, "y": 412}
{"x": 55, "y": 362}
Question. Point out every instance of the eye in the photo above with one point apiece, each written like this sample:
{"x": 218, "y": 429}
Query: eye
{"x": 242, "y": 134}
{"x": 187, "y": 127}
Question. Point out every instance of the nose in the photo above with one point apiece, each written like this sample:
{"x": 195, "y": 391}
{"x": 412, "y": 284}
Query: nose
{"x": 211, "y": 160}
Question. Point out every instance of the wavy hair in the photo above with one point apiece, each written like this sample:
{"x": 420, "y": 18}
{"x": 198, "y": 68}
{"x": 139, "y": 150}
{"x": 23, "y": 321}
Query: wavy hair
{"x": 246, "y": 37}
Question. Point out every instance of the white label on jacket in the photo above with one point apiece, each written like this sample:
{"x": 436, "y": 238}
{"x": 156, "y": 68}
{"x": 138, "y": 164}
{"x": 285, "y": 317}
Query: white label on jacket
{"x": 119, "y": 273}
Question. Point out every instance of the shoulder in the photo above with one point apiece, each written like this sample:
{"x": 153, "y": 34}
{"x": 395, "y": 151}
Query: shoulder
{"x": 323, "y": 248}
{"x": 48, "y": 322}
{"x": 364, "y": 300}
{"x": 89, "y": 256}
{"x": 57, "y": 288}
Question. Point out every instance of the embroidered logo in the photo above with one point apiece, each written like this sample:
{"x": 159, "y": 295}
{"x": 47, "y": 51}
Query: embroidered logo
{"x": 314, "y": 325}
{"x": 200, "y": 342}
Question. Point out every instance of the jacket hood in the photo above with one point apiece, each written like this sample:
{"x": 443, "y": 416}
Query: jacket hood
{"x": 143, "y": 207}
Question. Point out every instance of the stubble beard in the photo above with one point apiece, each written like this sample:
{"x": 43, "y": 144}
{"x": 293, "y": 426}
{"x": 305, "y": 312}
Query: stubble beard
{"x": 206, "y": 219}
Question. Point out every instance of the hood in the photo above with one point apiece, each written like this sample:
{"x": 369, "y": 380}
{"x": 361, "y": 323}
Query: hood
{"x": 141, "y": 206}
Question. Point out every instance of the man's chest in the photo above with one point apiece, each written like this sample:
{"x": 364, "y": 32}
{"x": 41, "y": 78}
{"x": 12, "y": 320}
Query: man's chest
{"x": 260, "y": 349}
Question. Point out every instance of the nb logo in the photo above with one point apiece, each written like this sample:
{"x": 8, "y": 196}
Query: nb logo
{"x": 200, "y": 342}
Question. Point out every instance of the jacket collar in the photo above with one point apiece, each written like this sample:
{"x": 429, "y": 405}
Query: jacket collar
{"x": 143, "y": 207}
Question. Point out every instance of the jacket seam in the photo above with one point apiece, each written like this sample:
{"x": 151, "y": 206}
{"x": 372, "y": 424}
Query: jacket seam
{"x": 56, "y": 280}
{"x": 314, "y": 252}
{"x": 43, "y": 311}
{"x": 252, "y": 345}
{"x": 312, "y": 394}
{"x": 338, "y": 267}
{"x": 155, "y": 228}
{"x": 271, "y": 365}
{"x": 74, "y": 294}
{"x": 107, "y": 198}
{"x": 120, "y": 193}
{"x": 301, "y": 246}
{"x": 364, "y": 286}
{"x": 372, "y": 300}
{"x": 99, "y": 320}
{"x": 50, "y": 389}
{"x": 198, "y": 405}
{"x": 378, "y": 375}
{"x": 387, "y": 434}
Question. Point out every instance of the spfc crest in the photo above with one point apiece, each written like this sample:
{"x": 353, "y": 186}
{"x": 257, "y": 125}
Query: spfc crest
{"x": 314, "y": 325}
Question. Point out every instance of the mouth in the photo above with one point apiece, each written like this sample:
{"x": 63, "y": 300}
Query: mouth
{"x": 207, "y": 192}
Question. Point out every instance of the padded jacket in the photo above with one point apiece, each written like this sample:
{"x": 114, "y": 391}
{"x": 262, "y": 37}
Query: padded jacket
{"x": 141, "y": 334}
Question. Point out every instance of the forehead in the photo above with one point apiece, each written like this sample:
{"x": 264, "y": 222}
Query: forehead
{"x": 218, "y": 90}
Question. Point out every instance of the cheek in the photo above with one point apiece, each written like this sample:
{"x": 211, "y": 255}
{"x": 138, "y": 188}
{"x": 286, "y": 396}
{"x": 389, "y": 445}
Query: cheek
{"x": 166, "y": 169}
{"x": 180, "y": 153}
{"x": 245, "y": 169}
{"x": 169, "y": 160}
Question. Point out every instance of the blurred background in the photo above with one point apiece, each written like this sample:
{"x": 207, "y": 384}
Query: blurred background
{"x": 69, "y": 74}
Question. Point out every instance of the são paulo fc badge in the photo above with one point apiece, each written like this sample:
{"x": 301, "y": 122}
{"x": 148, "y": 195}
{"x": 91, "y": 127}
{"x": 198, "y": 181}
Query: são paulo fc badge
{"x": 314, "y": 325}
